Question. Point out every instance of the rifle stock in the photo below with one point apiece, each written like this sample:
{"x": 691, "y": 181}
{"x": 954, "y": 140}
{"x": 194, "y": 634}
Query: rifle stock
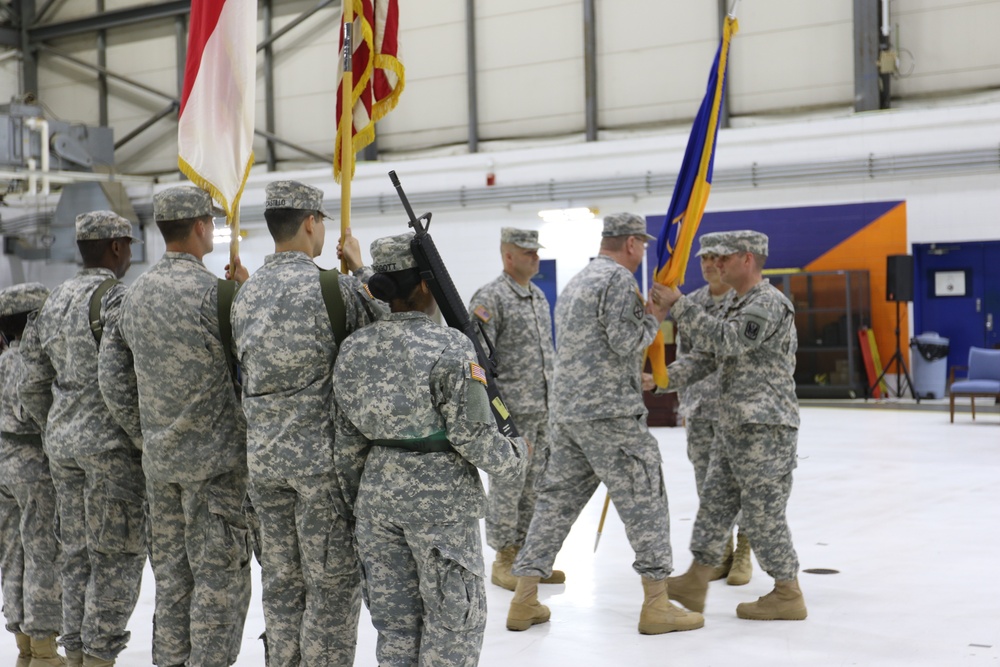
{"x": 435, "y": 274}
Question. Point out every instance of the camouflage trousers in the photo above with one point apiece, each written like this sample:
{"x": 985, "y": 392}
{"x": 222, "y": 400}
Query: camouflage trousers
{"x": 310, "y": 573}
{"x": 701, "y": 446}
{"x": 30, "y": 558}
{"x": 752, "y": 471}
{"x": 200, "y": 553}
{"x": 511, "y": 504}
{"x": 102, "y": 529}
{"x": 425, "y": 590}
{"x": 622, "y": 453}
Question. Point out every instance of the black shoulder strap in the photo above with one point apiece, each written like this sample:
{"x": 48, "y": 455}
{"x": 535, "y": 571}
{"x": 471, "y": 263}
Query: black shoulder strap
{"x": 96, "y": 323}
{"x": 227, "y": 292}
{"x": 329, "y": 284}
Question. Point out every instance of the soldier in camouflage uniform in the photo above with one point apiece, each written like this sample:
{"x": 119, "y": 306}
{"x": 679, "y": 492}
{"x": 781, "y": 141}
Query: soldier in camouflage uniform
{"x": 699, "y": 407}
{"x": 164, "y": 373}
{"x": 95, "y": 466}
{"x": 752, "y": 346}
{"x": 29, "y": 549}
{"x": 514, "y": 314}
{"x": 603, "y": 329}
{"x": 286, "y": 347}
{"x": 413, "y": 424}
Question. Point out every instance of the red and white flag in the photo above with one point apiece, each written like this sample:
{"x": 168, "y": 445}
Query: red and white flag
{"x": 216, "y": 123}
{"x": 377, "y": 69}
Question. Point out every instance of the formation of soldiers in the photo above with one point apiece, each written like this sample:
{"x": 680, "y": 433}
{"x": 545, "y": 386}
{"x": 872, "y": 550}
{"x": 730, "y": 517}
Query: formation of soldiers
{"x": 327, "y": 424}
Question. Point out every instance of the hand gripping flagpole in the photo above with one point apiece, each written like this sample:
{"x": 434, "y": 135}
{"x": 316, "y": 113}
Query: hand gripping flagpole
{"x": 346, "y": 127}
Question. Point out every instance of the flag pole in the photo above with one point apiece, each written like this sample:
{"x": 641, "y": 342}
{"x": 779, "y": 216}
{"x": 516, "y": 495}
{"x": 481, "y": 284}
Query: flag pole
{"x": 732, "y": 10}
{"x": 346, "y": 126}
{"x": 234, "y": 240}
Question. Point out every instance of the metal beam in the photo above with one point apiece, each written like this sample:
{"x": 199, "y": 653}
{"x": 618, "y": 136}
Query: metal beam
{"x": 272, "y": 160}
{"x": 105, "y": 71}
{"x": 301, "y": 149}
{"x": 866, "y": 41}
{"x": 102, "y": 79}
{"x": 724, "y": 110}
{"x": 590, "y": 69}
{"x": 115, "y": 18}
{"x": 471, "y": 79}
{"x": 10, "y": 37}
{"x": 164, "y": 112}
{"x": 295, "y": 22}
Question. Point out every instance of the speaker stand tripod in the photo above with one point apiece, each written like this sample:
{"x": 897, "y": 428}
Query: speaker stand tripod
{"x": 901, "y": 370}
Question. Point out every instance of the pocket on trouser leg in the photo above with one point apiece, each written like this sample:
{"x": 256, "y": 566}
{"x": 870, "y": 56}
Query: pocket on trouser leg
{"x": 643, "y": 472}
{"x": 118, "y": 521}
{"x": 460, "y": 596}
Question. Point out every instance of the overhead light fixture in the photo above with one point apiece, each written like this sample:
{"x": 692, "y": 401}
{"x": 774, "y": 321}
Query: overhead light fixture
{"x": 580, "y": 214}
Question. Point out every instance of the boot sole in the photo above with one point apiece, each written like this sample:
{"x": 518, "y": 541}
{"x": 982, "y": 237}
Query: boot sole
{"x": 663, "y": 629}
{"x": 773, "y": 617}
{"x": 519, "y": 625}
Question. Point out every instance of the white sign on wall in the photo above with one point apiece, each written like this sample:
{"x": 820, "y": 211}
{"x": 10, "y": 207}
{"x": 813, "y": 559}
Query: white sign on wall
{"x": 949, "y": 283}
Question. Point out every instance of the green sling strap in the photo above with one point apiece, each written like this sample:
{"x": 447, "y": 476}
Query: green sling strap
{"x": 329, "y": 283}
{"x": 96, "y": 323}
{"x": 435, "y": 442}
{"x": 227, "y": 292}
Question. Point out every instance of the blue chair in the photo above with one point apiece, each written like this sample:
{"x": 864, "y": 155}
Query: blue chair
{"x": 983, "y": 380}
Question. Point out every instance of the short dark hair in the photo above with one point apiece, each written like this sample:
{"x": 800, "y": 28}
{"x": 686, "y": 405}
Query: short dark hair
{"x": 178, "y": 230}
{"x": 92, "y": 251}
{"x": 394, "y": 285}
{"x": 284, "y": 223}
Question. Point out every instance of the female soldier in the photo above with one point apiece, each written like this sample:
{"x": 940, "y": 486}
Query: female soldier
{"x": 413, "y": 423}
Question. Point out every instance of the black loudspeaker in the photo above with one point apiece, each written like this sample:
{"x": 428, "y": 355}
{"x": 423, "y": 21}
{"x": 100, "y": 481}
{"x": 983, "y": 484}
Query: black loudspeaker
{"x": 899, "y": 278}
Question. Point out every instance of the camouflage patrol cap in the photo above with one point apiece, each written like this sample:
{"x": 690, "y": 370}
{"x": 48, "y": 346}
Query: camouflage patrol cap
{"x": 103, "y": 225}
{"x": 709, "y": 242}
{"x": 295, "y": 195}
{"x": 625, "y": 224}
{"x": 392, "y": 253}
{"x": 742, "y": 240}
{"x": 22, "y": 298}
{"x": 184, "y": 202}
{"x": 522, "y": 238}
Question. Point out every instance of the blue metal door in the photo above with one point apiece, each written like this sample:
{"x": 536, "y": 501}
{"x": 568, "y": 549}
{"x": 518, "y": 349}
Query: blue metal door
{"x": 957, "y": 294}
{"x": 546, "y": 281}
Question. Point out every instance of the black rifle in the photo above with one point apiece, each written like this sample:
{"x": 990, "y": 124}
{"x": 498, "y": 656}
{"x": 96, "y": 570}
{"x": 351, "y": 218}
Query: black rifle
{"x": 435, "y": 274}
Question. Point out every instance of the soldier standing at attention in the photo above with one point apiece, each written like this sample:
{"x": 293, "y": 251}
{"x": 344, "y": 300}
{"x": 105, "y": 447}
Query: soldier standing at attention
{"x": 699, "y": 405}
{"x": 96, "y": 468}
{"x": 163, "y": 367}
{"x": 413, "y": 424}
{"x": 752, "y": 345}
{"x": 603, "y": 329}
{"x": 514, "y": 313}
{"x": 286, "y": 346}
{"x": 29, "y": 548}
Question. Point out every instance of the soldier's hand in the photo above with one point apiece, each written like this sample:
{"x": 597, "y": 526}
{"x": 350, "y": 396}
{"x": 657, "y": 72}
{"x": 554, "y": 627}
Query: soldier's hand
{"x": 648, "y": 384}
{"x": 239, "y": 273}
{"x": 657, "y": 306}
{"x": 349, "y": 250}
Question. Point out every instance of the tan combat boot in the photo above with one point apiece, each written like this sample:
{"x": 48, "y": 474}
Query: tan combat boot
{"x": 23, "y": 649}
{"x": 525, "y": 610}
{"x": 691, "y": 588}
{"x": 74, "y": 658}
{"x": 94, "y": 661}
{"x": 722, "y": 571}
{"x": 501, "y": 575}
{"x": 739, "y": 574}
{"x": 784, "y": 603}
{"x": 658, "y": 615}
{"x": 44, "y": 653}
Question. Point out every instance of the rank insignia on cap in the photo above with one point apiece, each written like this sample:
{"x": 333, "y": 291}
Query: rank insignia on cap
{"x": 482, "y": 313}
{"x": 477, "y": 372}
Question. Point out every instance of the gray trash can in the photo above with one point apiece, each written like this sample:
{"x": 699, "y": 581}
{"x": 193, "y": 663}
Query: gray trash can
{"x": 929, "y": 359}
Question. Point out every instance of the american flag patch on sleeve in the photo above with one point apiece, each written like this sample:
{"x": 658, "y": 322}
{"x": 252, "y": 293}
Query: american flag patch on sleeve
{"x": 477, "y": 372}
{"x": 482, "y": 313}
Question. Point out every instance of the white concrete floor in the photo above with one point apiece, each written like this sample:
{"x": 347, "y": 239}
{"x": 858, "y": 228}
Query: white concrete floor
{"x": 904, "y": 505}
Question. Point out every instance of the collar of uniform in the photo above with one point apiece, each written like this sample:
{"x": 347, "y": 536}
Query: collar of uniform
{"x": 753, "y": 290}
{"x": 519, "y": 289}
{"x": 170, "y": 254}
{"x": 287, "y": 257}
{"x": 97, "y": 271}
{"x": 406, "y": 315}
